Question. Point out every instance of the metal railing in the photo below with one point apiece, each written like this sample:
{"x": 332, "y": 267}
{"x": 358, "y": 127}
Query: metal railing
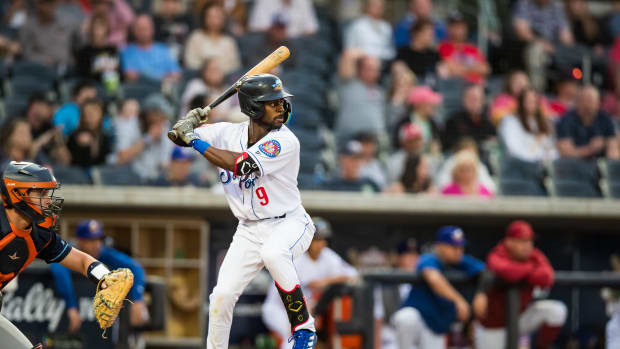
{"x": 362, "y": 319}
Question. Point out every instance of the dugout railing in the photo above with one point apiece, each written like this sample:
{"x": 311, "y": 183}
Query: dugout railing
{"x": 362, "y": 319}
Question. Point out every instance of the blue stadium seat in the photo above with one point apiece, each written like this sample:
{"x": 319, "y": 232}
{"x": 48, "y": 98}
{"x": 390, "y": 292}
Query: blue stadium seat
{"x": 519, "y": 187}
{"x": 33, "y": 69}
{"x": 308, "y": 182}
{"x": 25, "y": 86}
{"x": 15, "y": 106}
{"x": 575, "y": 169}
{"x": 573, "y": 188}
{"x": 614, "y": 189}
{"x": 72, "y": 175}
{"x": 116, "y": 175}
{"x": 309, "y": 139}
{"x": 309, "y": 160}
{"x": 139, "y": 90}
{"x": 613, "y": 170}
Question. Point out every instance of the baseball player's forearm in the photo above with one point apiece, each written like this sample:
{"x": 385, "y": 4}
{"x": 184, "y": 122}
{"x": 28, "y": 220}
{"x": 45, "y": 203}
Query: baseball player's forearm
{"x": 221, "y": 158}
{"x": 78, "y": 261}
{"x": 440, "y": 285}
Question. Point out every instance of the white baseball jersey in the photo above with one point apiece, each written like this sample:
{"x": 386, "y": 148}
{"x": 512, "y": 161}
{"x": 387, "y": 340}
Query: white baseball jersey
{"x": 272, "y": 190}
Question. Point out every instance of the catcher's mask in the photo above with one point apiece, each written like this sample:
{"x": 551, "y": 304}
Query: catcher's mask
{"x": 257, "y": 89}
{"x": 29, "y": 189}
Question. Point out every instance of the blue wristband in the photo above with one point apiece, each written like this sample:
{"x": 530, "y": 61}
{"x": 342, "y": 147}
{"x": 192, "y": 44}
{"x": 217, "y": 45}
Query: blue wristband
{"x": 200, "y": 145}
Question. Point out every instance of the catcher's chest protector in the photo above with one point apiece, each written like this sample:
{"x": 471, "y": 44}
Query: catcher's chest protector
{"x": 18, "y": 248}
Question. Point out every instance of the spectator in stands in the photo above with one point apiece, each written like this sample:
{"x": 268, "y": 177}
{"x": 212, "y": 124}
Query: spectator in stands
{"x": 362, "y": 99}
{"x": 119, "y": 16}
{"x": 540, "y": 24}
{"x": 424, "y": 101}
{"x": 506, "y": 102}
{"x": 211, "y": 83}
{"x": 462, "y": 59}
{"x": 47, "y": 138}
{"x": 99, "y": 60}
{"x": 89, "y": 235}
{"x": 147, "y": 58}
{"x": 471, "y": 121}
{"x": 267, "y": 42}
{"x": 585, "y": 27}
{"x": 299, "y": 14}
{"x": 371, "y": 168}
{"x": 172, "y": 25}
{"x": 418, "y": 9}
{"x": 16, "y": 144}
{"x": 67, "y": 117}
{"x": 403, "y": 80}
{"x": 443, "y": 178}
{"x": 430, "y": 310}
{"x": 566, "y": 89}
{"x": 13, "y": 15}
{"x": 45, "y": 39}
{"x": 72, "y": 10}
{"x": 465, "y": 177}
{"x": 411, "y": 145}
{"x": 155, "y": 149}
{"x": 528, "y": 134}
{"x": 236, "y": 11}
{"x": 371, "y": 33}
{"x": 516, "y": 260}
{"x": 211, "y": 41}
{"x": 415, "y": 178}
{"x": 587, "y": 132}
{"x": 89, "y": 144}
{"x": 350, "y": 179}
{"x": 179, "y": 172}
{"x": 319, "y": 268}
{"x": 127, "y": 135}
{"x": 421, "y": 54}
{"x": 8, "y": 48}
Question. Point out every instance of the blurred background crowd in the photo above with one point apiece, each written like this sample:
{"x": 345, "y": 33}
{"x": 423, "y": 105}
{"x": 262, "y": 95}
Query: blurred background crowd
{"x": 510, "y": 97}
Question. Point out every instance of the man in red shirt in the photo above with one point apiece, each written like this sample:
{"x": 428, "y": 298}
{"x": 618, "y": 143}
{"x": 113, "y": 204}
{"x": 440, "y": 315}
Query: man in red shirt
{"x": 462, "y": 59}
{"x": 516, "y": 260}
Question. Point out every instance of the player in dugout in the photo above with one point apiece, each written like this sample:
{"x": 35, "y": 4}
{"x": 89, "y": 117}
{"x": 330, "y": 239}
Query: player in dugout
{"x": 89, "y": 235}
{"x": 28, "y": 216}
{"x": 515, "y": 259}
{"x": 430, "y": 309}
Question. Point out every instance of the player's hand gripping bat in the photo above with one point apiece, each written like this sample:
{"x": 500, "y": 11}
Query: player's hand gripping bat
{"x": 264, "y": 66}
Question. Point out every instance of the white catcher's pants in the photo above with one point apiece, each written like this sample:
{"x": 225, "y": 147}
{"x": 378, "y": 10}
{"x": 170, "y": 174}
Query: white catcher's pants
{"x": 272, "y": 243}
{"x": 550, "y": 312}
{"x": 411, "y": 331}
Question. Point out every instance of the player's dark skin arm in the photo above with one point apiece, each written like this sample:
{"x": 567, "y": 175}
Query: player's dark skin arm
{"x": 225, "y": 159}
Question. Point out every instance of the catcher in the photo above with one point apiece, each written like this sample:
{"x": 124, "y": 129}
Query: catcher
{"x": 27, "y": 218}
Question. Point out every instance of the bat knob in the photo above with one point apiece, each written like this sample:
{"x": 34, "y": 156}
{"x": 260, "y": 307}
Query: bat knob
{"x": 172, "y": 135}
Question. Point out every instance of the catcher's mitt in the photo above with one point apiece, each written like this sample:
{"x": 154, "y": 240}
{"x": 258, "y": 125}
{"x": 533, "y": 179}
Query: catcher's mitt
{"x": 108, "y": 301}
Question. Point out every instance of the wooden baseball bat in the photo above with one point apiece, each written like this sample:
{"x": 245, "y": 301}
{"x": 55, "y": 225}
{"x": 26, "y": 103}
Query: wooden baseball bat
{"x": 274, "y": 59}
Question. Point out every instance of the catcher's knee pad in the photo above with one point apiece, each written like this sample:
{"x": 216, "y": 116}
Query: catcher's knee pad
{"x": 295, "y": 305}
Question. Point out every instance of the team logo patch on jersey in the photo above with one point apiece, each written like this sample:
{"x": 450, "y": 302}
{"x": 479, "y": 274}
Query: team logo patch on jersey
{"x": 270, "y": 148}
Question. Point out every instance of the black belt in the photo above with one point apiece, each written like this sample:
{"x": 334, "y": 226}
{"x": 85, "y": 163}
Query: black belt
{"x": 282, "y": 216}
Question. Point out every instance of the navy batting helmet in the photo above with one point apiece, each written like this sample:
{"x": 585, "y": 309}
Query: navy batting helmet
{"x": 261, "y": 88}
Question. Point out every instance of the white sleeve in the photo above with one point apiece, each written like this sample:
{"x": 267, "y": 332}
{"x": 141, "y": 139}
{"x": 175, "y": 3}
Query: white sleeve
{"x": 274, "y": 154}
{"x": 261, "y": 15}
{"x": 514, "y": 137}
{"x": 339, "y": 267}
{"x": 210, "y": 133}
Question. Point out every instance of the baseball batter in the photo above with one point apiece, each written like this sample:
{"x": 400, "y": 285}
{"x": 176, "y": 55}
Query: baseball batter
{"x": 258, "y": 162}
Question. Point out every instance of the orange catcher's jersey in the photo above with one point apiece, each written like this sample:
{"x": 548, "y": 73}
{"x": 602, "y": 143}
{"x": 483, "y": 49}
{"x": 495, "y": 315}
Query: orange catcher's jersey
{"x": 18, "y": 248}
{"x": 269, "y": 192}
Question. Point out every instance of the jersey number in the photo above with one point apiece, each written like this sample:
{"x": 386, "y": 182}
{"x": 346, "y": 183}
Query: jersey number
{"x": 262, "y": 195}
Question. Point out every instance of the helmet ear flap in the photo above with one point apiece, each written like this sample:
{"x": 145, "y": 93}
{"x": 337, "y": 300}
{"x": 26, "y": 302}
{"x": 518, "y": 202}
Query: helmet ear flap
{"x": 258, "y": 109}
{"x": 288, "y": 111}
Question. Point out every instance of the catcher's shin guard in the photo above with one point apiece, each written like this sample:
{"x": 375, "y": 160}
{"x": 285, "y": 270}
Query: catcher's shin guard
{"x": 38, "y": 346}
{"x": 295, "y": 305}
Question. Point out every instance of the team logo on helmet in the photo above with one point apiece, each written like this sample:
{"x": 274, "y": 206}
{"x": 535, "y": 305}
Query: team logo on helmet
{"x": 277, "y": 86}
{"x": 270, "y": 148}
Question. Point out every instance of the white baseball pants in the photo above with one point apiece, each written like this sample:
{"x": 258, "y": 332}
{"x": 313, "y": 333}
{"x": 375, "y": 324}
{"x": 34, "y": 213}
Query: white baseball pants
{"x": 272, "y": 243}
{"x": 545, "y": 312}
{"x": 612, "y": 332}
{"x": 412, "y": 332}
{"x": 11, "y": 336}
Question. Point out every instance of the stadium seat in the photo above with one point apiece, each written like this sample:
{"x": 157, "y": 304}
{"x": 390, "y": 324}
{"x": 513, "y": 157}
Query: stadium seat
{"x": 15, "y": 106}
{"x": 308, "y": 181}
{"x": 25, "y": 86}
{"x": 309, "y": 139}
{"x": 309, "y": 160}
{"x": 573, "y": 188}
{"x": 115, "y": 175}
{"x": 519, "y": 187}
{"x": 614, "y": 189}
{"x": 139, "y": 90}
{"x": 575, "y": 169}
{"x": 513, "y": 168}
{"x": 32, "y": 69}
{"x": 72, "y": 175}
{"x": 613, "y": 170}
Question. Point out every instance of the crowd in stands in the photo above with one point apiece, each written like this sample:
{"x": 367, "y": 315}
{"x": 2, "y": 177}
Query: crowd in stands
{"x": 385, "y": 101}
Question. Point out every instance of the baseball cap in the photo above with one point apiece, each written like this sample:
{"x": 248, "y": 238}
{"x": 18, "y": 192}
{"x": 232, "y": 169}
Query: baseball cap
{"x": 455, "y": 17}
{"x": 409, "y": 131}
{"x": 90, "y": 230}
{"x": 323, "y": 229}
{"x": 407, "y": 246}
{"x": 451, "y": 235}
{"x": 520, "y": 230}
{"x": 179, "y": 153}
{"x": 352, "y": 147}
{"x": 157, "y": 102}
